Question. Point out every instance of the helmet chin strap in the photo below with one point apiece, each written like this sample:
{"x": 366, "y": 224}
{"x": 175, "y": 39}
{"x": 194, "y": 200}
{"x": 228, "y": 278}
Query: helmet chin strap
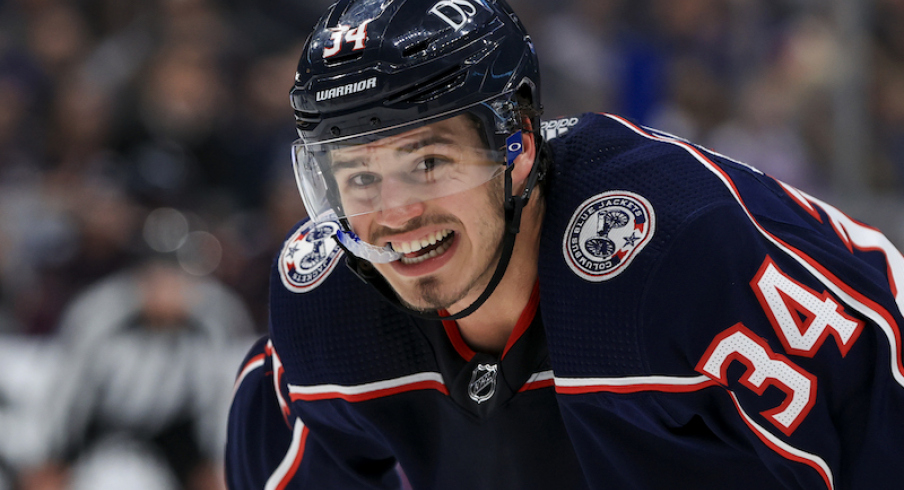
{"x": 514, "y": 205}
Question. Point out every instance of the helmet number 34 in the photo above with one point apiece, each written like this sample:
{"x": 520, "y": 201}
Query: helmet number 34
{"x": 357, "y": 36}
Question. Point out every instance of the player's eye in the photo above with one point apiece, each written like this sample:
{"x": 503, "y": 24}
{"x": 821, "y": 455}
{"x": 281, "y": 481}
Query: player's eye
{"x": 427, "y": 164}
{"x": 431, "y": 164}
{"x": 363, "y": 179}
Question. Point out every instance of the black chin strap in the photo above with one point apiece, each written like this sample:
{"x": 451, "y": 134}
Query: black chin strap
{"x": 513, "y": 207}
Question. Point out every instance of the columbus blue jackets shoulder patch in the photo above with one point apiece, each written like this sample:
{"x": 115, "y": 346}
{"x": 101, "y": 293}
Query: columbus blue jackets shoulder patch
{"x": 606, "y": 232}
{"x": 308, "y": 256}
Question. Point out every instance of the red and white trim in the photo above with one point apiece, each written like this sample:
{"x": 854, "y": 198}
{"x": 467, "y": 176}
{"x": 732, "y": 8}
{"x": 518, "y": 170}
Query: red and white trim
{"x": 289, "y": 465}
{"x": 801, "y": 199}
{"x": 370, "y": 391}
{"x": 633, "y": 384}
{"x": 255, "y": 362}
{"x": 543, "y": 379}
{"x": 278, "y": 372}
{"x": 787, "y": 451}
{"x": 866, "y": 238}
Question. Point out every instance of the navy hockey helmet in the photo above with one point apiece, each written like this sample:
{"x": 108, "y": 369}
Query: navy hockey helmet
{"x": 374, "y": 68}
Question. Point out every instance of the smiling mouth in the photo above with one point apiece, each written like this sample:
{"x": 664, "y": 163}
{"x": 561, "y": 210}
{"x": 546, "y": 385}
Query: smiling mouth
{"x": 420, "y": 250}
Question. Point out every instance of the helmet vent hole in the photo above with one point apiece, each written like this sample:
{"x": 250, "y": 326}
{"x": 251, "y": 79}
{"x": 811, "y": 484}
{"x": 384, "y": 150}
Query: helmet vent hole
{"x": 441, "y": 88}
{"x": 305, "y": 120}
{"x": 344, "y": 58}
{"x": 432, "y": 87}
{"x": 416, "y": 48}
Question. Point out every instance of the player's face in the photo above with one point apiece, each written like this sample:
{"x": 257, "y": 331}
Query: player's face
{"x": 450, "y": 243}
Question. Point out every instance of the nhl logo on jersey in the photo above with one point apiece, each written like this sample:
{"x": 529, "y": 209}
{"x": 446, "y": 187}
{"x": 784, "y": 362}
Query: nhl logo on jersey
{"x": 308, "y": 257}
{"x": 483, "y": 382}
{"x": 605, "y": 234}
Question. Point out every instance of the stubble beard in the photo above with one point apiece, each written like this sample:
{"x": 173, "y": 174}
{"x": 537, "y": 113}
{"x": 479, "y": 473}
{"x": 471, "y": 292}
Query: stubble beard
{"x": 432, "y": 292}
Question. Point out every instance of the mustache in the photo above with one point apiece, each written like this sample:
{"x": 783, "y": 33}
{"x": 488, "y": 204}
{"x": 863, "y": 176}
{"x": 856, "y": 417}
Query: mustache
{"x": 379, "y": 232}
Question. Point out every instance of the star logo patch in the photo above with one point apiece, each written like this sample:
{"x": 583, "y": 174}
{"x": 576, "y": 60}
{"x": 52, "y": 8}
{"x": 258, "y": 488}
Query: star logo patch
{"x": 308, "y": 257}
{"x": 606, "y": 232}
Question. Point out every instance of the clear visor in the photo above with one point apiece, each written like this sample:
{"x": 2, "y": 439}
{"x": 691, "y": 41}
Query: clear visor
{"x": 382, "y": 171}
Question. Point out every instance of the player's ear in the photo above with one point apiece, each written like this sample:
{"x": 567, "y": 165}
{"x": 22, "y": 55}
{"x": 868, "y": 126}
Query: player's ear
{"x": 525, "y": 161}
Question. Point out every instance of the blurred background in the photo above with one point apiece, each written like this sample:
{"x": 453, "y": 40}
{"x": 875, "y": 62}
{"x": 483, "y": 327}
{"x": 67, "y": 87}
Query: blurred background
{"x": 145, "y": 184}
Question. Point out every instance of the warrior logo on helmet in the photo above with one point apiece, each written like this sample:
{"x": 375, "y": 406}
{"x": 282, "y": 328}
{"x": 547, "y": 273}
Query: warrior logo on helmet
{"x": 308, "y": 257}
{"x": 605, "y": 234}
{"x": 347, "y": 89}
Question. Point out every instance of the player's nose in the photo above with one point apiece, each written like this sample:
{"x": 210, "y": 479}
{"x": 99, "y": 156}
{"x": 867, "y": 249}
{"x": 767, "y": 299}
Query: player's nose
{"x": 398, "y": 216}
{"x": 398, "y": 205}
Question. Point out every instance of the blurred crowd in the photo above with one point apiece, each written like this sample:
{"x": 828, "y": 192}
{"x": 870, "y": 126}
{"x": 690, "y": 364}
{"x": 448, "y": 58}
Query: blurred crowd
{"x": 757, "y": 80}
{"x": 145, "y": 186}
{"x": 144, "y": 190}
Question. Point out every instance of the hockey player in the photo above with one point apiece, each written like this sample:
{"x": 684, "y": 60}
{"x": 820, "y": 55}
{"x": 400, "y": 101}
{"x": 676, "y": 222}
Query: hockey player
{"x": 576, "y": 303}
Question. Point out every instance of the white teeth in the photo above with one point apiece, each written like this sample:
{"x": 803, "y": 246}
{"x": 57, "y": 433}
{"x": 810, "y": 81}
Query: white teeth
{"x": 414, "y": 246}
{"x": 428, "y": 255}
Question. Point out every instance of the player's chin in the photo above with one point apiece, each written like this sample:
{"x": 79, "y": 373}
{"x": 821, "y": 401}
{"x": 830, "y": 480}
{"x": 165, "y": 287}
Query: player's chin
{"x": 418, "y": 305}
{"x": 428, "y": 294}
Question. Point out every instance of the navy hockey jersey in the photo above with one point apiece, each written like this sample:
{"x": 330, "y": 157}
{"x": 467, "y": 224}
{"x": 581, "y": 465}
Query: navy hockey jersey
{"x": 697, "y": 324}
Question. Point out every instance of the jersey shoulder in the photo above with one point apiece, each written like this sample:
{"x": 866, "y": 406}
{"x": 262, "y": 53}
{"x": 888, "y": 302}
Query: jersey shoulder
{"x": 328, "y": 326}
{"x": 633, "y": 213}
